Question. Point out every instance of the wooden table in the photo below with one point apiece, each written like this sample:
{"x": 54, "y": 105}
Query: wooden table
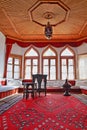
{"x": 29, "y": 87}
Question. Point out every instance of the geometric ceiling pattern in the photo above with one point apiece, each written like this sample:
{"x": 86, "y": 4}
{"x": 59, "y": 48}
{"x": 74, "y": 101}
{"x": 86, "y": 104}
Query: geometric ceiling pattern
{"x": 25, "y": 20}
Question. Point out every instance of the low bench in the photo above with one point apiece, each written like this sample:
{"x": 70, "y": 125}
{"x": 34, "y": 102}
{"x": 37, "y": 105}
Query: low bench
{"x": 83, "y": 89}
{"x": 8, "y": 90}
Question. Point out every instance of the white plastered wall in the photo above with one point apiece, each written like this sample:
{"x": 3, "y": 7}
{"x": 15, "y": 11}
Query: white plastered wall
{"x": 2, "y": 54}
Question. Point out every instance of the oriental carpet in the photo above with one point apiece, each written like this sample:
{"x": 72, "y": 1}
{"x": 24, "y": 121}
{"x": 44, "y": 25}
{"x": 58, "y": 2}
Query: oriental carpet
{"x": 51, "y": 112}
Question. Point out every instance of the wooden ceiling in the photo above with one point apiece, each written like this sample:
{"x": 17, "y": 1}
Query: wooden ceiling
{"x": 26, "y": 19}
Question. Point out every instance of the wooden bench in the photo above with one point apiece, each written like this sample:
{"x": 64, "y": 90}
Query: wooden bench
{"x": 8, "y": 90}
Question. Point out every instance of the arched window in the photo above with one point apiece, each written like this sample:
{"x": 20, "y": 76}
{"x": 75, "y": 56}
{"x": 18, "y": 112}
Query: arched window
{"x": 67, "y": 64}
{"x": 49, "y": 58}
{"x": 31, "y": 63}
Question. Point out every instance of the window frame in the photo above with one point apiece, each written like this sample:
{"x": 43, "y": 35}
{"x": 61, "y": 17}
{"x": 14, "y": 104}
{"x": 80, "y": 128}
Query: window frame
{"x": 14, "y": 56}
{"x": 85, "y": 54}
{"x": 49, "y": 59}
{"x": 67, "y": 58}
{"x": 31, "y": 58}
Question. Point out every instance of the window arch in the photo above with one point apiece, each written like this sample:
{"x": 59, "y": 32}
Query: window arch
{"x": 31, "y": 63}
{"x": 67, "y": 64}
{"x": 49, "y": 63}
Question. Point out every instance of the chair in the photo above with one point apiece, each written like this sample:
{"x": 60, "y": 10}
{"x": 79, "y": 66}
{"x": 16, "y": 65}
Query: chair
{"x": 29, "y": 87}
{"x": 41, "y": 82}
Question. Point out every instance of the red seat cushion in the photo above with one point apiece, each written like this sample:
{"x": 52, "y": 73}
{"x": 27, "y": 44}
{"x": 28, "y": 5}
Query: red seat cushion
{"x": 27, "y": 80}
{"x": 72, "y": 82}
{"x": 3, "y": 82}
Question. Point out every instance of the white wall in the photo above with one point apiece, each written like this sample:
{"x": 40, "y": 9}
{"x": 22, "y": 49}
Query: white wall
{"x": 2, "y": 54}
{"x": 82, "y": 49}
{"x": 17, "y": 49}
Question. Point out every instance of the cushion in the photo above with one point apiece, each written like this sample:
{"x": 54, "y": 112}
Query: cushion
{"x": 3, "y": 82}
{"x": 27, "y": 80}
{"x": 13, "y": 82}
{"x": 81, "y": 83}
{"x": 72, "y": 82}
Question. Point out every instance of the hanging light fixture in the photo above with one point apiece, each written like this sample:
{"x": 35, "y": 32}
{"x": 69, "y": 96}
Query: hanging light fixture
{"x": 48, "y": 27}
{"x": 48, "y": 31}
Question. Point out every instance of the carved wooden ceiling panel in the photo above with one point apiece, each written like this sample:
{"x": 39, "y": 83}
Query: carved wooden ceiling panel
{"x": 26, "y": 19}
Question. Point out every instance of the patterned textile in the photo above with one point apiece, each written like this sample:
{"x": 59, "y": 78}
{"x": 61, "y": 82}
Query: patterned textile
{"x": 51, "y": 112}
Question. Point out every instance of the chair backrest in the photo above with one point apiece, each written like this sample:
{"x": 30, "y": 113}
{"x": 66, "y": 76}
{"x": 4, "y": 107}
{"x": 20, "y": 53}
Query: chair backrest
{"x": 39, "y": 78}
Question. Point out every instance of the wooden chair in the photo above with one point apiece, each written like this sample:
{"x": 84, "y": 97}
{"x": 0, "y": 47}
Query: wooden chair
{"x": 41, "y": 82}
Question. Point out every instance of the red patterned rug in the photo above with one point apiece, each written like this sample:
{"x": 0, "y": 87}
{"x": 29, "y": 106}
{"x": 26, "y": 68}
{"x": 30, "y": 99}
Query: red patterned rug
{"x": 53, "y": 112}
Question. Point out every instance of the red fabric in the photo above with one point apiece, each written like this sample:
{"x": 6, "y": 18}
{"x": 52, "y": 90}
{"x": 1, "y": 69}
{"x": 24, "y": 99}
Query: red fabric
{"x": 72, "y": 82}
{"x": 43, "y": 44}
{"x": 8, "y": 50}
{"x": 27, "y": 80}
{"x": 3, "y": 82}
{"x": 84, "y": 91}
{"x": 54, "y": 112}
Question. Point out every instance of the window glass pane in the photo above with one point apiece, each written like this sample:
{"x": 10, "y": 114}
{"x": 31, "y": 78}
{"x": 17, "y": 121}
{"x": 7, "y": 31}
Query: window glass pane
{"x": 70, "y": 76}
{"x": 10, "y": 60}
{"x": 16, "y": 61}
{"x": 28, "y": 76}
{"x": 45, "y": 62}
{"x": 82, "y": 67}
{"x": 27, "y": 72}
{"x": 52, "y": 77}
{"x": 28, "y": 62}
{"x": 35, "y": 62}
{"x": 16, "y": 75}
{"x": 35, "y": 70}
{"x": 16, "y": 69}
{"x": 52, "y": 73}
{"x": 45, "y": 70}
{"x": 31, "y": 52}
{"x": 70, "y": 62}
{"x": 52, "y": 69}
{"x": 64, "y": 75}
{"x": 67, "y": 52}
{"x": 63, "y": 62}
{"x": 70, "y": 69}
{"x": 9, "y": 74}
{"x": 27, "y": 69}
{"x": 64, "y": 69}
{"x": 9, "y": 67}
{"x": 52, "y": 61}
{"x": 49, "y": 52}
{"x": 70, "y": 72}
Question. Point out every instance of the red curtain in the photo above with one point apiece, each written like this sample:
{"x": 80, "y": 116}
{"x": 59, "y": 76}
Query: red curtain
{"x": 8, "y": 50}
{"x": 44, "y": 44}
